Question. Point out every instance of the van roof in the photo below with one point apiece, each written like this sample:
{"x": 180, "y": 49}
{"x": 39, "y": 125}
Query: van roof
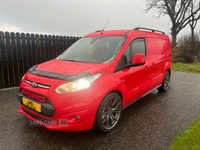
{"x": 128, "y": 32}
{"x": 108, "y": 33}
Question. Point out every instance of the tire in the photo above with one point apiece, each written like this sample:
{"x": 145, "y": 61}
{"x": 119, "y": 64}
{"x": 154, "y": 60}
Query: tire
{"x": 108, "y": 113}
{"x": 165, "y": 83}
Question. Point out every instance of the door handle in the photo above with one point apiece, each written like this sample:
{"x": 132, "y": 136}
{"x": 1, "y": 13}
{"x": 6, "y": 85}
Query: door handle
{"x": 153, "y": 64}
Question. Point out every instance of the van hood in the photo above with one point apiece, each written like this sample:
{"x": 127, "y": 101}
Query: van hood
{"x": 72, "y": 68}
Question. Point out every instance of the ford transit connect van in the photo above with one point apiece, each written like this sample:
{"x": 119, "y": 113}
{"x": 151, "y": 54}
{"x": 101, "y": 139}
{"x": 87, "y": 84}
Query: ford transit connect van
{"x": 95, "y": 79}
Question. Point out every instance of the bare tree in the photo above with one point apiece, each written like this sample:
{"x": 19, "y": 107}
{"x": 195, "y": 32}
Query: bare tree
{"x": 177, "y": 10}
{"x": 194, "y": 21}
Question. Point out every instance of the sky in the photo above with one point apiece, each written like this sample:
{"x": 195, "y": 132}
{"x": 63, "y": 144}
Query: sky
{"x": 78, "y": 17}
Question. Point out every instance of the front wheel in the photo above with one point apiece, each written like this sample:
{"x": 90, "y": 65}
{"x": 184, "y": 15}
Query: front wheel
{"x": 165, "y": 83}
{"x": 108, "y": 113}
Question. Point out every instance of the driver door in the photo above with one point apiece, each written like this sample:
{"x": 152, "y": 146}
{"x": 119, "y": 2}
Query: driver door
{"x": 136, "y": 78}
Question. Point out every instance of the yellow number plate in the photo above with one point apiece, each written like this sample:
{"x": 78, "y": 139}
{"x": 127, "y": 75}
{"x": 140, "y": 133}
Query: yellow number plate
{"x": 32, "y": 105}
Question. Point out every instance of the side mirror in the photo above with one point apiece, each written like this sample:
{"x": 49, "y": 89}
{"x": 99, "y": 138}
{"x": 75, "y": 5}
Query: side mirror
{"x": 138, "y": 59}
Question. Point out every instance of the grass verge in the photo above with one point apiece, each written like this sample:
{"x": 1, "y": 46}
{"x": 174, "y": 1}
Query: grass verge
{"x": 183, "y": 67}
{"x": 189, "y": 139}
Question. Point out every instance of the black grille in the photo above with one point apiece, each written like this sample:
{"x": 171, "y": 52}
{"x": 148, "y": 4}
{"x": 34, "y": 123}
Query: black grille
{"x": 47, "y": 108}
{"x": 37, "y": 117}
{"x": 46, "y": 99}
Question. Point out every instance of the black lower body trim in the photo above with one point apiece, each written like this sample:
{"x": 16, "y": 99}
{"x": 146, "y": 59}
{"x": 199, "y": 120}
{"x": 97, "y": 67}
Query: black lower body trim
{"x": 42, "y": 120}
{"x": 142, "y": 96}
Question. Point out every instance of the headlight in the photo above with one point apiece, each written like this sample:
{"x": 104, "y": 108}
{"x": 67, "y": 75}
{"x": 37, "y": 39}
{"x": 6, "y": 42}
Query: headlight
{"x": 77, "y": 85}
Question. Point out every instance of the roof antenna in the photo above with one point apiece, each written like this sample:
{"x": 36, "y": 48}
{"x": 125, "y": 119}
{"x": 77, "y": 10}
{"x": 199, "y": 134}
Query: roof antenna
{"x": 104, "y": 27}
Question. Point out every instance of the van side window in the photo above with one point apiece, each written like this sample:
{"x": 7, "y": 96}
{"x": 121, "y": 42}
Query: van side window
{"x": 127, "y": 55}
{"x": 138, "y": 46}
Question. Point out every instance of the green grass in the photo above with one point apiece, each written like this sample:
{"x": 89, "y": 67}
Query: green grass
{"x": 183, "y": 67}
{"x": 189, "y": 139}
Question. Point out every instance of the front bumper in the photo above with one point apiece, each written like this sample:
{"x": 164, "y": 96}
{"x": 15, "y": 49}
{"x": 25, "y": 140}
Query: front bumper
{"x": 65, "y": 123}
{"x": 74, "y": 116}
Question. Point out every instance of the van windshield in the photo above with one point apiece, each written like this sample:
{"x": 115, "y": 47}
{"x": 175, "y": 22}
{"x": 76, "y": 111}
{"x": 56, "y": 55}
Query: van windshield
{"x": 100, "y": 49}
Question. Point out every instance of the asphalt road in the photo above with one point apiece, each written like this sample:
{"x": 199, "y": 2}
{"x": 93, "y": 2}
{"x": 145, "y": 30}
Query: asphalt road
{"x": 151, "y": 123}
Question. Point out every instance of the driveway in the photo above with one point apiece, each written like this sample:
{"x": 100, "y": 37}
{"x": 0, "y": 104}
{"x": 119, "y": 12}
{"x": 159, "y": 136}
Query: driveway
{"x": 150, "y": 123}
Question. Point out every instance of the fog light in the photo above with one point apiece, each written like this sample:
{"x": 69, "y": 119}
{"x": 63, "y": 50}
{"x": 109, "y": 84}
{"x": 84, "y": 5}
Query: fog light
{"x": 77, "y": 117}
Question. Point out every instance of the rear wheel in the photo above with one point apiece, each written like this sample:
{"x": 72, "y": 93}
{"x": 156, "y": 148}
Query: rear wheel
{"x": 108, "y": 113}
{"x": 165, "y": 83}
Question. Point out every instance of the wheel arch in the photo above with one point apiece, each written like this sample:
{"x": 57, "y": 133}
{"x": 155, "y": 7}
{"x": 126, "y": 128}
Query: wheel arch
{"x": 167, "y": 67}
{"x": 118, "y": 92}
{"x": 169, "y": 71}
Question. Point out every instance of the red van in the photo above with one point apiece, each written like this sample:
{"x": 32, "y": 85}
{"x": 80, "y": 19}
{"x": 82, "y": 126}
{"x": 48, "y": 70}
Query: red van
{"x": 95, "y": 79}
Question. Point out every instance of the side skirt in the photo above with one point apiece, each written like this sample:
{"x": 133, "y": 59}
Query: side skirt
{"x": 141, "y": 96}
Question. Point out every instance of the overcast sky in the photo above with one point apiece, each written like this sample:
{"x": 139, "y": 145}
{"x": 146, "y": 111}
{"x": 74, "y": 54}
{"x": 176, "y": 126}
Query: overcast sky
{"x": 78, "y": 17}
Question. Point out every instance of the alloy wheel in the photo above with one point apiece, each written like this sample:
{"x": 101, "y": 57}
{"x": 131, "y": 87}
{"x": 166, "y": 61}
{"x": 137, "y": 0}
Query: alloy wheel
{"x": 111, "y": 112}
{"x": 167, "y": 80}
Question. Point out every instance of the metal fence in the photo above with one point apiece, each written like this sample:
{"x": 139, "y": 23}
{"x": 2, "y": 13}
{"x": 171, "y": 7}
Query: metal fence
{"x": 19, "y": 52}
